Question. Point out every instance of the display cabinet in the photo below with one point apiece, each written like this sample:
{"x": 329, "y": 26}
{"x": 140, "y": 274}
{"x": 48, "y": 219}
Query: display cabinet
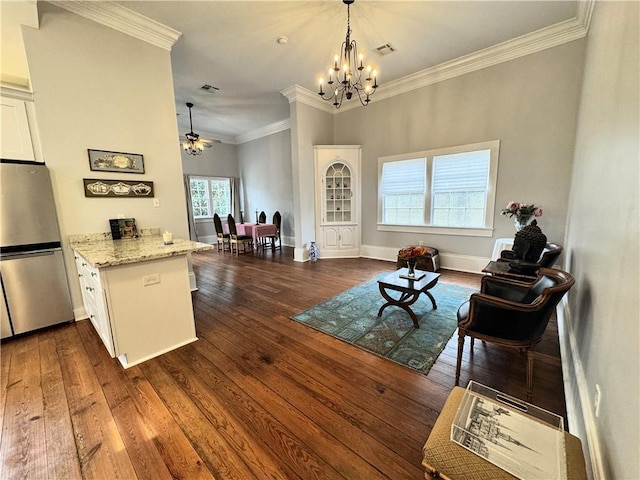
{"x": 337, "y": 170}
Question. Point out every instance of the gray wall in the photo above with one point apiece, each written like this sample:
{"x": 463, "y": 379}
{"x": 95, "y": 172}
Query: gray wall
{"x": 602, "y": 239}
{"x": 264, "y": 165}
{"x": 530, "y": 104}
{"x": 218, "y": 161}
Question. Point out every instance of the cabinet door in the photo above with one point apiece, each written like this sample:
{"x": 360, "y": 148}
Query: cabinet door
{"x": 330, "y": 237}
{"x": 347, "y": 237}
{"x": 16, "y": 141}
{"x": 337, "y": 193}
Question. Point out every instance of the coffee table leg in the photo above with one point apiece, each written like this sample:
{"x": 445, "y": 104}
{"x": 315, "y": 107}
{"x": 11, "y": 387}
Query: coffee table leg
{"x": 403, "y": 302}
{"x": 433, "y": 300}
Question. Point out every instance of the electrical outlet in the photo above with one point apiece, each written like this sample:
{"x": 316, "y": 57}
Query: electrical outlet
{"x": 597, "y": 400}
{"x": 421, "y": 243}
{"x": 156, "y": 202}
{"x": 151, "y": 279}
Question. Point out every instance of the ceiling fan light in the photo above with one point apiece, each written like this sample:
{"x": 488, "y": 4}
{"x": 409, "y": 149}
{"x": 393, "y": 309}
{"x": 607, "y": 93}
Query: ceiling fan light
{"x": 193, "y": 146}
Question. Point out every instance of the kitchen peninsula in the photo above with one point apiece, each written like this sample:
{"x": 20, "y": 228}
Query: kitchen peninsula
{"x": 136, "y": 293}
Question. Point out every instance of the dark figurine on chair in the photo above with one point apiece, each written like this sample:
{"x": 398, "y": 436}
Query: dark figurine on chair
{"x": 528, "y": 245}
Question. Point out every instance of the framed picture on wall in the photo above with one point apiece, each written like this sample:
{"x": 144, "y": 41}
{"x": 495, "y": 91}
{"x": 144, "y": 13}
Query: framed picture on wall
{"x": 103, "y": 161}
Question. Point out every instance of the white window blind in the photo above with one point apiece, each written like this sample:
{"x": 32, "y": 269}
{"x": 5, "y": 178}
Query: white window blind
{"x": 405, "y": 176}
{"x": 461, "y": 172}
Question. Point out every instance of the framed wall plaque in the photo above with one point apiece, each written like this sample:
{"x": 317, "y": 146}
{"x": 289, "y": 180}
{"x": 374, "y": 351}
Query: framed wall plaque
{"x": 94, "y": 187}
{"x": 103, "y": 161}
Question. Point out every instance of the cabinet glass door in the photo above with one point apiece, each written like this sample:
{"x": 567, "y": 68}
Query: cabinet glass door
{"x": 338, "y": 196}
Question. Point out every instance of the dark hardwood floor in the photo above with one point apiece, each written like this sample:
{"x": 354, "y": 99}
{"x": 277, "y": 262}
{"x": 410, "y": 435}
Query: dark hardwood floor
{"x": 257, "y": 396}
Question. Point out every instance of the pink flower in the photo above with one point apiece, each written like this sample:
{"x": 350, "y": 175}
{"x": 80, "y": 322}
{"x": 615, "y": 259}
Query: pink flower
{"x": 513, "y": 206}
{"x": 537, "y": 212}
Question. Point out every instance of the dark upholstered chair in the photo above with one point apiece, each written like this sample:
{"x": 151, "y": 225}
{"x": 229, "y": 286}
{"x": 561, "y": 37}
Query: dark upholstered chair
{"x": 237, "y": 240}
{"x": 273, "y": 240}
{"x": 547, "y": 259}
{"x": 512, "y": 313}
{"x": 223, "y": 238}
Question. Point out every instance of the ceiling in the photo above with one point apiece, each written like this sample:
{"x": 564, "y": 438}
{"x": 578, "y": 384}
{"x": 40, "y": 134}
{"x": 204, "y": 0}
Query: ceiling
{"x": 232, "y": 45}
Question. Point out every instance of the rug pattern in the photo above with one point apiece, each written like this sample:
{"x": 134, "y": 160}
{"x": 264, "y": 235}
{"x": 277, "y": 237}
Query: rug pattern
{"x": 352, "y": 316}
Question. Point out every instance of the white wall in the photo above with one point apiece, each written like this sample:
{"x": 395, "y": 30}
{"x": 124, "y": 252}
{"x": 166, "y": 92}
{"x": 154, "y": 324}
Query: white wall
{"x": 100, "y": 89}
{"x": 530, "y": 104}
{"x": 602, "y": 239}
{"x": 309, "y": 127}
{"x": 265, "y": 168}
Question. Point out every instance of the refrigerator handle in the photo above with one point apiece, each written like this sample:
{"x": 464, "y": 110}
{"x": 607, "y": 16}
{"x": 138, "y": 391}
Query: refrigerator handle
{"x": 35, "y": 253}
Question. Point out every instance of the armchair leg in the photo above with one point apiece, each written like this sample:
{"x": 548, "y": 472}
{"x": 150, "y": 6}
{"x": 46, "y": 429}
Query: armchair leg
{"x": 529, "y": 375}
{"x": 460, "y": 348}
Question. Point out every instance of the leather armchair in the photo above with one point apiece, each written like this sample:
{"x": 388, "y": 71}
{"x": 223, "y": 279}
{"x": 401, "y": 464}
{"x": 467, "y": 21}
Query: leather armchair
{"x": 512, "y": 313}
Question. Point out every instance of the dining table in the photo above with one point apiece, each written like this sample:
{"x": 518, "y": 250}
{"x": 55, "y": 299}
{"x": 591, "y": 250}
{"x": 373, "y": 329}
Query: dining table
{"x": 254, "y": 230}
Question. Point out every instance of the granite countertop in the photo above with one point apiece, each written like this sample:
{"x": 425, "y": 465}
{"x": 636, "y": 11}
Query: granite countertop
{"x": 107, "y": 253}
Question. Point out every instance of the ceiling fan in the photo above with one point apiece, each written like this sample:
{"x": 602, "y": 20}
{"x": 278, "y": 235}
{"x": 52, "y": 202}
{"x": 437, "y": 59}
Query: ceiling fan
{"x": 191, "y": 142}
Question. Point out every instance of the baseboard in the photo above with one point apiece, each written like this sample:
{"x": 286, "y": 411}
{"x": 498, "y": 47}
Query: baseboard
{"x": 449, "y": 261}
{"x": 580, "y": 414}
{"x": 192, "y": 282}
{"x": 80, "y": 314}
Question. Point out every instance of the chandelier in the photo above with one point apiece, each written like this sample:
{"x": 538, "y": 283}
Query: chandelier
{"x": 348, "y": 73}
{"x": 192, "y": 145}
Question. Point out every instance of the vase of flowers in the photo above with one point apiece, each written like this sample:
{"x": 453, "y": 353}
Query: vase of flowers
{"x": 522, "y": 213}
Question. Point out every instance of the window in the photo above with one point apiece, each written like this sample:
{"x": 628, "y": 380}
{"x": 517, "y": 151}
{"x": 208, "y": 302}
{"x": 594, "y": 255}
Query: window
{"x": 450, "y": 191}
{"x": 403, "y": 187}
{"x": 210, "y": 195}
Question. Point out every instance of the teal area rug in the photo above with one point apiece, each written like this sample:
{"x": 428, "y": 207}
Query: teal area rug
{"x": 352, "y": 316}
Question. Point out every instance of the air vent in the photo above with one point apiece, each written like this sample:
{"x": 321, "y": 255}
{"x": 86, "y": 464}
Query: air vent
{"x": 385, "y": 49}
{"x": 209, "y": 88}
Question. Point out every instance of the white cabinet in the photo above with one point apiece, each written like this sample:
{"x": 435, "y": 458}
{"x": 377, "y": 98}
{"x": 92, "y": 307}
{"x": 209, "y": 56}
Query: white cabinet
{"x": 16, "y": 139}
{"x": 140, "y": 310}
{"x": 95, "y": 305}
{"x": 337, "y": 182}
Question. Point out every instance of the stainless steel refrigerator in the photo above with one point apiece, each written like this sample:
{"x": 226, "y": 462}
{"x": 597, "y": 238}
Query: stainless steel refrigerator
{"x": 34, "y": 279}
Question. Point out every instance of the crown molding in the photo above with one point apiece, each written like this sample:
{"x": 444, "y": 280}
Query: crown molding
{"x": 11, "y": 91}
{"x": 296, "y": 93}
{"x": 534, "y": 42}
{"x": 264, "y": 131}
{"x": 122, "y": 19}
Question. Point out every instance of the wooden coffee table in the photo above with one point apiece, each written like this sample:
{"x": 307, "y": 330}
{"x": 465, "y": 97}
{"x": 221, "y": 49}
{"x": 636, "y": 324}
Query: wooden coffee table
{"x": 409, "y": 290}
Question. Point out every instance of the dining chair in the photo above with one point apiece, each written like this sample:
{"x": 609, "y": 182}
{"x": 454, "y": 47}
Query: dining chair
{"x": 512, "y": 313}
{"x": 223, "y": 238}
{"x": 238, "y": 240}
{"x": 262, "y": 218}
{"x": 273, "y": 240}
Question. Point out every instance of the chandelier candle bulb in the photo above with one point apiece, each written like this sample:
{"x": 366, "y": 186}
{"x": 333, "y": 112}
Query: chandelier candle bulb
{"x": 353, "y": 79}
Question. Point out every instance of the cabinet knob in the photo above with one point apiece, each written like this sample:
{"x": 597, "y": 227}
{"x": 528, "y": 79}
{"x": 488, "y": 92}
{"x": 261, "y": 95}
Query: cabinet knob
{"x": 84, "y": 264}
{"x": 93, "y": 274}
{"x": 80, "y": 275}
{"x": 92, "y": 316}
{"x": 89, "y": 288}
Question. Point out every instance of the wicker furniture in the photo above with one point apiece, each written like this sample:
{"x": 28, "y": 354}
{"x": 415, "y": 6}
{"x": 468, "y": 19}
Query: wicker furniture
{"x": 512, "y": 313}
{"x": 446, "y": 460}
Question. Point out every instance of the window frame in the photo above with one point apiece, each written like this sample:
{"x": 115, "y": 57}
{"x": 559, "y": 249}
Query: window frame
{"x": 212, "y": 211}
{"x": 487, "y": 231}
